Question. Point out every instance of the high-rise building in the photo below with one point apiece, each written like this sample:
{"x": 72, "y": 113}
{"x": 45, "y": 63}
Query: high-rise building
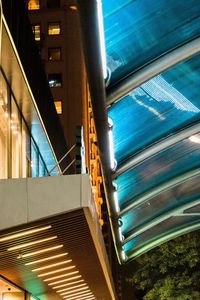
{"x": 51, "y": 243}
{"x": 58, "y": 35}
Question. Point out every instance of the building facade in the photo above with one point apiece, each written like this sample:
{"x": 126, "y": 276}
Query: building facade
{"x": 43, "y": 219}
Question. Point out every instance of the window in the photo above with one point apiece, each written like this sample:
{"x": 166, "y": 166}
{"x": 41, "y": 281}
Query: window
{"x": 36, "y": 32}
{"x": 58, "y": 106}
{"x": 53, "y": 3}
{"x": 33, "y": 4}
{"x": 54, "y": 54}
{"x": 55, "y": 80}
{"x": 54, "y": 28}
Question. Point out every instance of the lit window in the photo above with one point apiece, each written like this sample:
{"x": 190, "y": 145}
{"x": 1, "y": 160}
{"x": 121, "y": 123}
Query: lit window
{"x": 55, "y": 80}
{"x": 54, "y": 28}
{"x": 54, "y": 54}
{"x": 33, "y": 4}
{"x": 53, "y": 3}
{"x": 36, "y": 31}
{"x": 58, "y": 106}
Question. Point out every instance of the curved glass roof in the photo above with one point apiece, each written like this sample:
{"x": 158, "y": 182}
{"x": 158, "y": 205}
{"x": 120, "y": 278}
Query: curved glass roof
{"x": 137, "y": 32}
{"x": 156, "y": 126}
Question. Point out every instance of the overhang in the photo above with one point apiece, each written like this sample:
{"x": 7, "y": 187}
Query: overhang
{"x": 50, "y": 238}
{"x": 151, "y": 162}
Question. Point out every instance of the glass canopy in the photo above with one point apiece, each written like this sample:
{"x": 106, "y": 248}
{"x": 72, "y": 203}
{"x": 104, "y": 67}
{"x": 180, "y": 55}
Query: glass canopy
{"x": 156, "y": 126}
{"x": 137, "y": 32}
{"x": 159, "y": 107}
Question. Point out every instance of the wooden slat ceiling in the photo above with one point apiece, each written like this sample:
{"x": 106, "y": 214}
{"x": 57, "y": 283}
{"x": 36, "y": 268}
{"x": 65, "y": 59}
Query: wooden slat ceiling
{"x": 70, "y": 232}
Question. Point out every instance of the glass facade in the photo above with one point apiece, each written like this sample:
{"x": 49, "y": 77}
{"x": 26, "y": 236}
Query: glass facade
{"x": 19, "y": 155}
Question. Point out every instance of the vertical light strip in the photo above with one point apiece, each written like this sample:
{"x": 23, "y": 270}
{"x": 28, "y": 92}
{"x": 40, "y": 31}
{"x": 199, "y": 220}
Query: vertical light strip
{"x": 102, "y": 39}
{"x": 113, "y": 162}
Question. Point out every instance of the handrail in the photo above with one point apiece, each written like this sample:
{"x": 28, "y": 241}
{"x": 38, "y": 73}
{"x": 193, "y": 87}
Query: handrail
{"x": 62, "y": 158}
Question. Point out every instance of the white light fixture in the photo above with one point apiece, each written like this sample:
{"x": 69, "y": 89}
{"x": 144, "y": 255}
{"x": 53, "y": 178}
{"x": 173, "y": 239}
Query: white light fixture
{"x": 121, "y": 236}
{"x": 31, "y": 243}
{"x": 113, "y": 163}
{"x": 52, "y": 265}
{"x": 195, "y": 138}
{"x": 78, "y": 296}
{"x": 67, "y": 284}
{"x": 102, "y": 39}
{"x": 123, "y": 255}
{"x": 71, "y": 288}
{"x": 46, "y": 259}
{"x": 75, "y": 290}
{"x": 24, "y": 233}
{"x": 56, "y": 271}
{"x": 77, "y": 293}
{"x": 39, "y": 251}
{"x": 116, "y": 201}
{"x": 91, "y": 297}
{"x": 61, "y": 276}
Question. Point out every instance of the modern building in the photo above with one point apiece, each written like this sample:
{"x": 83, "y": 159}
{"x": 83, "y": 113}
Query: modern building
{"x": 152, "y": 100}
{"x": 51, "y": 243}
{"x": 58, "y": 34}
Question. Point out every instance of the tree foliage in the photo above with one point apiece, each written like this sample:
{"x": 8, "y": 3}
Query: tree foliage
{"x": 171, "y": 271}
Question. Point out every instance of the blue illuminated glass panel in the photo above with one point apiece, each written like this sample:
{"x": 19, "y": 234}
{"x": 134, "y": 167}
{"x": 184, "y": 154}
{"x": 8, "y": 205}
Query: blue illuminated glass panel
{"x": 137, "y": 32}
{"x": 174, "y": 161}
{"x": 156, "y": 109}
{"x": 170, "y": 225}
{"x": 184, "y": 193}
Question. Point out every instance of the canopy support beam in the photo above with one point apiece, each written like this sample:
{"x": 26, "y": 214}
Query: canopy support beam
{"x": 157, "y": 147}
{"x": 152, "y": 69}
{"x": 156, "y": 191}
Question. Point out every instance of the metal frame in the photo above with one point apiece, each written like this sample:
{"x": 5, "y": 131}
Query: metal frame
{"x": 161, "y": 218}
{"x": 154, "y": 68}
{"x": 162, "y": 239}
{"x": 90, "y": 36}
{"x": 157, "y": 190}
{"x": 157, "y": 147}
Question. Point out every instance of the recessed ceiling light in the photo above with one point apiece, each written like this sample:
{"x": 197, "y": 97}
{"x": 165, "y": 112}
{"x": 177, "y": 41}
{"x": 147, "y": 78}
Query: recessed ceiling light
{"x": 72, "y": 287}
{"x": 39, "y": 251}
{"x": 75, "y": 296}
{"x": 23, "y": 233}
{"x": 67, "y": 284}
{"x": 64, "y": 280}
{"x": 76, "y": 291}
{"x": 31, "y": 243}
{"x": 56, "y": 271}
{"x": 52, "y": 265}
{"x": 46, "y": 259}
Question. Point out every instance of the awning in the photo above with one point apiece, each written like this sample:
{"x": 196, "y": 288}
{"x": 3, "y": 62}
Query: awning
{"x": 151, "y": 96}
{"x": 153, "y": 102}
{"x": 51, "y": 244}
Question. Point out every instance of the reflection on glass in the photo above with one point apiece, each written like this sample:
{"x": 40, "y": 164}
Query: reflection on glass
{"x": 15, "y": 127}
{"x": 158, "y": 108}
{"x": 54, "y": 54}
{"x": 34, "y": 160}
{"x": 26, "y": 161}
{"x": 3, "y": 128}
{"x": 55, "y": 80}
